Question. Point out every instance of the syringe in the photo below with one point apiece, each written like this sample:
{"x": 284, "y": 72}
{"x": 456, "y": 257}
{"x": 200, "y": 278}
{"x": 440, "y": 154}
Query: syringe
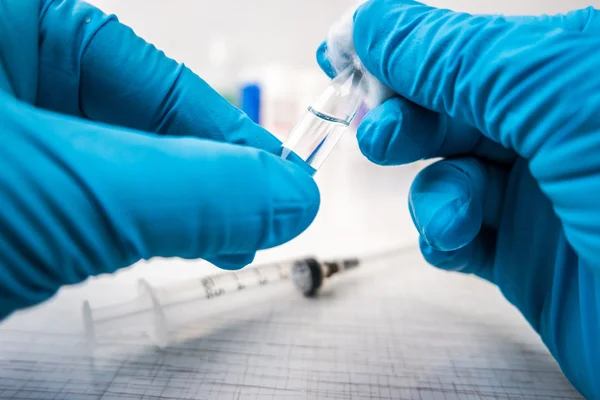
{"x": 164, "y": 309}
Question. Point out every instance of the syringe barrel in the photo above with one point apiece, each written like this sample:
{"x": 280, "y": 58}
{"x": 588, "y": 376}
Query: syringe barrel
{"x": 163, "y": 309}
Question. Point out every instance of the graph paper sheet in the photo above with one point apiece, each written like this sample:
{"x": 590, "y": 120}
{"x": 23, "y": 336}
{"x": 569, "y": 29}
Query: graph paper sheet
{"x": 392, "y": 329}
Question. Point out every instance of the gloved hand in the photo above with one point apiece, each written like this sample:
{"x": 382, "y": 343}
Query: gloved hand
{"x": 79, "y": 198}
{"x": 512, "y": 105}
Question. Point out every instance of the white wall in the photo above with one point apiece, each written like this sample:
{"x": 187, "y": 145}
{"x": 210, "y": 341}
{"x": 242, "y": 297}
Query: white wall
{"x": 260, "y": 31}
{"x": 265, "y": 31}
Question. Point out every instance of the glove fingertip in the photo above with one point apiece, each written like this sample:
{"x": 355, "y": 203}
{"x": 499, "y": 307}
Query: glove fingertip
{"x": 232, "y": 262}
{"x": 452, "y": 227}
{"x": 324, "y": 62}
{"x": 474, "y": 258}
{"x": 445, "y": 260}
{"x": 441, "y": 203}
{"x": 375, "y": 135}
{"x": 399, "y": 132}
{"x": 295, "y": 201}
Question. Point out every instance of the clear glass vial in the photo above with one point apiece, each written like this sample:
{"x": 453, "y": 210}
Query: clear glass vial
{"x": 325, "y": 121}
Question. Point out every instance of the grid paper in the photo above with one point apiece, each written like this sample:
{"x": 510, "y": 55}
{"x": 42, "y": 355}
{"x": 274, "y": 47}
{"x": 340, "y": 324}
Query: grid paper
{"x": 391, "y": 329}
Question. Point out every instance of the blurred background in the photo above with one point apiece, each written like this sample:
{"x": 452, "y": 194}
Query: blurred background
{"x": 269, "y": 46}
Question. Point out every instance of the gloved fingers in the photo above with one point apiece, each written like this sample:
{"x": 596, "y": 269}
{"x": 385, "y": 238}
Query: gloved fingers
{"x": 452, "y": 199}
{"x": 324, "y": 62}
{"x": 585, "y": 20}
{"x": 513, "y": 82}
{"x": 216, "y": 201}
{"x": 93, "y": 66}
{"x": 134, "y": 196}
{"x": 400, "y": 132}
{"x": 476, "y": 257}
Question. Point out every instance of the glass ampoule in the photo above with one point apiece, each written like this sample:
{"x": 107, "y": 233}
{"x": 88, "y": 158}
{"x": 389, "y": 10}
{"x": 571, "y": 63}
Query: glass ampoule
{"x": 325, "y": 120}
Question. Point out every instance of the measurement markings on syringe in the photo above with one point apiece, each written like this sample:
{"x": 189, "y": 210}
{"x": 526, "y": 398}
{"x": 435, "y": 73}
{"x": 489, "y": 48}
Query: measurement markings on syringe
{"x": 210, "y": 288}
{"x": 218, "y": 285}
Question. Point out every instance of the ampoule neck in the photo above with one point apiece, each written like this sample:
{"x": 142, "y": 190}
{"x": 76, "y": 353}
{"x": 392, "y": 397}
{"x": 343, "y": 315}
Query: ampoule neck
{"x": 342, "y": 98}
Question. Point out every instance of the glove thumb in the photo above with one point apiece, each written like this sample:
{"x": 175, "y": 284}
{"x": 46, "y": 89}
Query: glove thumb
{"x": 80, "y": 199}
{"x": 193, "y": 198}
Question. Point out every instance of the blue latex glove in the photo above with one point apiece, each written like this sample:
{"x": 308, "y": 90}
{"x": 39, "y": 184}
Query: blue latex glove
{"x": 79, "y": 198}
{"x": 513, "y": 105}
